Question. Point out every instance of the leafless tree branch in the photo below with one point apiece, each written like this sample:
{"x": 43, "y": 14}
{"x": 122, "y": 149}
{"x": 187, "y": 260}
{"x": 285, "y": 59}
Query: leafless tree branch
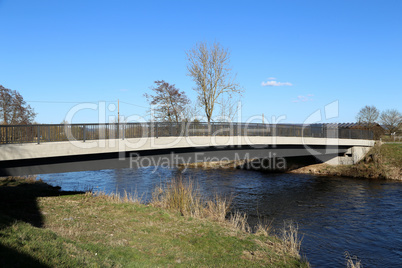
{"x": 209, "y": 67}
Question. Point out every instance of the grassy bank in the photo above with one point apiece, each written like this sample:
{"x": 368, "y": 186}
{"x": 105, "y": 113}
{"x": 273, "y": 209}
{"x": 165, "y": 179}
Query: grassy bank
{"x": 383, "y": 161}
{"x": 43, "y": 227}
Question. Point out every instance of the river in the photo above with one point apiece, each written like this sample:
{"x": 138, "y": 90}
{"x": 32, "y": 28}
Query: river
{"x": 334, "y": 214}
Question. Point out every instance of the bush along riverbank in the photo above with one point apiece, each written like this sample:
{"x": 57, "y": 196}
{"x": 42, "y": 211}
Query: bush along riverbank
{"x": 41, "y": 226}
{"x": 383, "y": 161}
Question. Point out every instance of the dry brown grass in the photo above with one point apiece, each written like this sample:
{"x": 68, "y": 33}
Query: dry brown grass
{"x": 183, "y": 195}
{"x": 263, "y": 229}
{"x": 26, "y": 179}
{"x": 239, "y": 221}
{"x": 118, "y": 198}
{"x": 291, "y": 240}
{"x": 352, "y": 262}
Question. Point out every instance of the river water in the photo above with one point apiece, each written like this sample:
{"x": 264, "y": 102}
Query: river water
{"x": 334, "y": 214}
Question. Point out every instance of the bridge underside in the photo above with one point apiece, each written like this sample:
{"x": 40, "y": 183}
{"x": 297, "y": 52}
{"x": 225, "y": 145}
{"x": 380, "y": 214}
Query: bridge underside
{"x": 161, "y": 157}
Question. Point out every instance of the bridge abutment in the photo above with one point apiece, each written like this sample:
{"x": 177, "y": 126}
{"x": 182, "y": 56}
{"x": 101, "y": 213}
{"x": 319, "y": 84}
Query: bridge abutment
{"x": 352, "y": 156}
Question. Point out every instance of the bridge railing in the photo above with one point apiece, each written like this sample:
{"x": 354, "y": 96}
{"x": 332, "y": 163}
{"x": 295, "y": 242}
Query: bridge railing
{"x": 84, "y": 132}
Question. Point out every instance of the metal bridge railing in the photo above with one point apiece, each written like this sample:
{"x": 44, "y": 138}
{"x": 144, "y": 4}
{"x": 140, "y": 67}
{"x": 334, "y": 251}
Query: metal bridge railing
{"x": 83, "y": 132}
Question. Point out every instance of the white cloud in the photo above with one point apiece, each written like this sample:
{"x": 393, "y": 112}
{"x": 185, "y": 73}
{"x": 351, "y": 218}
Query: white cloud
{"x": 303, "y": 98}
{"x": 275, "y": 84}
{"x": 123, "y": 90}
{"x": 271, "y": 78}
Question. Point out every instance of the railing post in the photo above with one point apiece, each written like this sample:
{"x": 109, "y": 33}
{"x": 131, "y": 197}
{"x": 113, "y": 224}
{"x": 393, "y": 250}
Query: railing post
{"x": 6, "y": 134}
{"x": 124, "y": 131}
{"x": 156, "y": 129}
{"x": 38, "y": 135}
{"x": 118, "y": 130}
{"x": 84, "y": 134}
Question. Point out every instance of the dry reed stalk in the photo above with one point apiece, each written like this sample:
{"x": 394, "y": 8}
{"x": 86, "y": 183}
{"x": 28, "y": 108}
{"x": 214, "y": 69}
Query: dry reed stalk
{"x": 117, "y": 198}
{"x": 239, "y": 221}
{"x": 184, "y": 196}
{"x": 263, "y": 229}
{"x": 291, "y": 239}
{"x": 352, "y": 262}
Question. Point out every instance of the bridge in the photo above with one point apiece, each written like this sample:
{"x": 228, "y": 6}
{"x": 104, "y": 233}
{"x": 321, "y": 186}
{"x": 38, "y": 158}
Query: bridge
{"x": 39, "y": 149}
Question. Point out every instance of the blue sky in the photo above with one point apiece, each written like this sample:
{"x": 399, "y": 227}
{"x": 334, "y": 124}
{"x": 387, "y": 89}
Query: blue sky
{"x": 308, "y": 54}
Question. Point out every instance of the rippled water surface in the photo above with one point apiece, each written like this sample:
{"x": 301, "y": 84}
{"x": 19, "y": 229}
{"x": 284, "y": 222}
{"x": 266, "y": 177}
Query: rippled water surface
{"x": 334, "y": 214}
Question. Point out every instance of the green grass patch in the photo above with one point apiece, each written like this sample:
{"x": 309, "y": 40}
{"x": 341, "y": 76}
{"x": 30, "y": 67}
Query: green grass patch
{"x": 392, "y": 154}
{"x": 43, "y": 227}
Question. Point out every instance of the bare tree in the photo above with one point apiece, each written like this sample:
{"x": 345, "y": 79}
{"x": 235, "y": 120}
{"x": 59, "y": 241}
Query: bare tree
{"x": 392, "y": 120}
{"x": 228, "y": 108}
{"x": 13, "y": 108}
{"x": 368, "y": 116}
{"x": 209, "y": 67}
{"x": 191, "y": 113}
{"x": 169, "y": 103}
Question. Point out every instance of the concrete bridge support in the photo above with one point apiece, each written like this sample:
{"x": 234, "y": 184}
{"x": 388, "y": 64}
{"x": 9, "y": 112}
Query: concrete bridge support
{"x": 352, "y": 156}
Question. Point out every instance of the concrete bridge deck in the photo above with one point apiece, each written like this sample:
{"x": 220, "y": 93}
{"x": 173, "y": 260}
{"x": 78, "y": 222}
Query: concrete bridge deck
{"x": 53, "y": 157}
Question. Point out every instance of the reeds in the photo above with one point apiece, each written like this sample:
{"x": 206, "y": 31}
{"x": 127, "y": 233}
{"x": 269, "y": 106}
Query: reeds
{"x": 117, "y": 197}
{"x": 183, "y": 195}
{"x": 290, "y": 238}
{"x": 263, "y": 229}
{"x": 352, "y": 262}
{"x": 179, "y": 194}
{"x": 239, "y": 221}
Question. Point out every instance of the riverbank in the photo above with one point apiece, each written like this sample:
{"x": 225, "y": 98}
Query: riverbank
{"x": 41, "y": 226}
{"x": 383, "y": 161}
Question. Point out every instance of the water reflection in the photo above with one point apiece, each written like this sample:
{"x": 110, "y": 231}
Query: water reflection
{"x": 334, "y": 214}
